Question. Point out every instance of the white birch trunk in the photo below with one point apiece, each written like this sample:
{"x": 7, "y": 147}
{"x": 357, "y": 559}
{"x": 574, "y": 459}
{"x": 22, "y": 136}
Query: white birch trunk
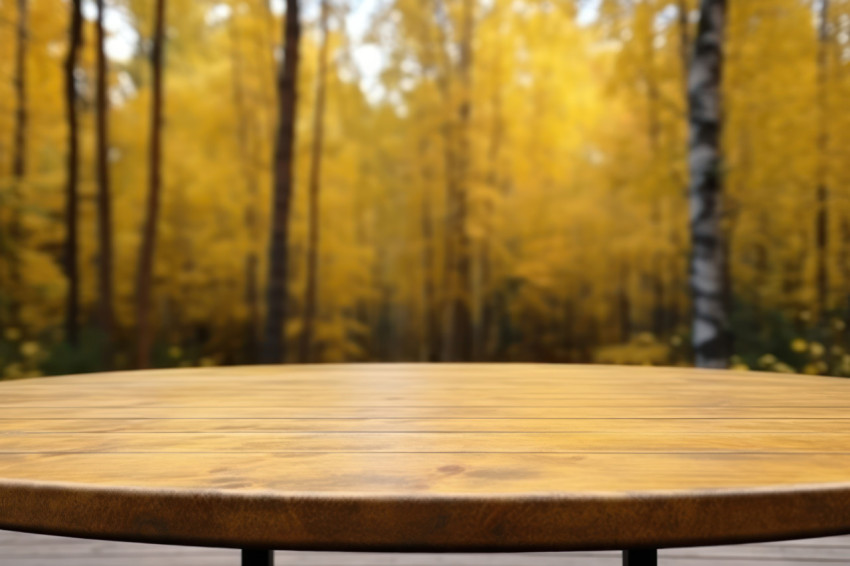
{"x": 709, "y": 283}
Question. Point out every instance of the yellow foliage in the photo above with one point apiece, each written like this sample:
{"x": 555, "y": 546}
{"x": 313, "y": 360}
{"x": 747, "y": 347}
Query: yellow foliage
{"x": 573, "y": 179}
{"x": 641, "y": 350}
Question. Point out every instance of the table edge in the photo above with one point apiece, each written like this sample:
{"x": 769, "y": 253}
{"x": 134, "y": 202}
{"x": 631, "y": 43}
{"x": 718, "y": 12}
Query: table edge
{"x": 428, "y": 523}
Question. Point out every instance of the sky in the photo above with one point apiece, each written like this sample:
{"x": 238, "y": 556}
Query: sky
{"x": 122, "y": 38}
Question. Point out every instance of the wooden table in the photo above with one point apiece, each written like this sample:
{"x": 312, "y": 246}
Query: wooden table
{"x": 493, "y": 458}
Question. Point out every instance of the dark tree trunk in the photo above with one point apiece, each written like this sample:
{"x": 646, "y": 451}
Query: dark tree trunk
{"x": 659, "y": 297}
{"x": 482, "y": 342}
{"x": 624, "y": 304}
{"x": 845, "y": 257}
{"x": 709, "y": 261}
{"x": 428, "y": 351}
{"x": 274, "y": 349}
{"x": 306, "y": 348}
{"x": 684, "y": 42}
{"x": 104, "y": 204}
{"x": 447, "y": 132}
{"x": 19, "y": 161}
{"x": 146, "y": 253}
{"x": 822, "y": 213}
{"x": 246, "y": 141}
{"x": 75, "y": 33}
{"x": 252, "y": 298}
{"x": 458, "y": 339}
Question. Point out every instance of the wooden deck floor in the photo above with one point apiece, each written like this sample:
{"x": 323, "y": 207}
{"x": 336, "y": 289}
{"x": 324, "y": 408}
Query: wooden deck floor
{"x": 19, "y": 549}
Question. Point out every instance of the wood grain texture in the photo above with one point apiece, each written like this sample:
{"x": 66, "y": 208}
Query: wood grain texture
{"x": 427, "y": 457}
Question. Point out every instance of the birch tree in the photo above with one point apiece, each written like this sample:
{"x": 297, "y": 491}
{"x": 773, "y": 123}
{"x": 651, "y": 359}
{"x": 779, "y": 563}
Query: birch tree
{"x": 709, "y": 264}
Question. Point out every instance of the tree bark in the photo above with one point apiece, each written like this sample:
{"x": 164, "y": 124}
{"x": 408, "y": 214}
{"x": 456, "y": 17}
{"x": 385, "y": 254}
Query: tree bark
{"x": 709, "y": 262}
{"x": 482, "y": 337}
{"x": 19, "y": 162}
{"x": 274, "y": 347}
{"x": 459, "y": 331}
{"x": 428, "y": 351}
{"x": 684, "y": 42}
{"x": 447, "y": 133}
{"x": 308, "y": 322}
{"x": 72, "y": 199}
{"x": 624, "y": 303}
{"x": 246, "y": 140}
{"x": 822, "y": 214}
{"x": 104, "y": 198}
{"x": 146, "y": 253}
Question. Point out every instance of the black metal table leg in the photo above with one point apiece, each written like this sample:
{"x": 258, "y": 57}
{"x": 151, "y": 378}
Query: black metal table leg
{"x": 640, "y": 557}
{"x": 254, "y": 557}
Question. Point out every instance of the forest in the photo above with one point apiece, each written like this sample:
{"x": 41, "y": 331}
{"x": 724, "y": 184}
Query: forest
{"x": 210, "y": 182}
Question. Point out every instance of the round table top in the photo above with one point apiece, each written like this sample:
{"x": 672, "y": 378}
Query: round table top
{"x": 427, "y": 457}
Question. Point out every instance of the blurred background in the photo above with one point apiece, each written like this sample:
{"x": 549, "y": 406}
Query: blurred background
{"x": 502, "y": 180}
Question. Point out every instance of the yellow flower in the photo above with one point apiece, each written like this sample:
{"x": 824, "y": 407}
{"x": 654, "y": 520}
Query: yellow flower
{"x": 836, "y": 350}
{"x": 811, "y": 369}
{"x": 805, "y": 315}
{"x": 12, "y": 334}
{"x": 838, "y": 324}
{"x": 676, "y": 341}
{"x": 29, "y": 349}
{"x": 799, "y": 345}
{"x": 767, "y": 360}
{"x": 207, "y": 362}
{"x": 816, "y": 349}
{"x": 740, "y": 367}
{"x": 783, "y": 368}
{"x": 175, "y": 351}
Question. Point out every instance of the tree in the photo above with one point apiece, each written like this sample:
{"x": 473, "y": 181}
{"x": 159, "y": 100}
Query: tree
{"x": 19, "y": 163}
{"x": 822, "y": 212}
{"x": 273, "y": 348}
{"x": 246, "y": 140}
{"x": 146, "y": 253}
{"x": 19, "y": 157}
{"x": 685, "y": 45}
{"x": 306, "y": 347}
{"x": 459, "y": 328}
{"x": 104, "y": 196}
{"x": 71, "y": 200}
{"x": 709, "y": 261}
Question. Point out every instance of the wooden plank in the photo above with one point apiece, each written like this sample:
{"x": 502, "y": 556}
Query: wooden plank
{"x": 834, "y": 413}
{"x": 504, "y": 442}
{"x": 680, "y": 426}
{"x": 438, "y": 473}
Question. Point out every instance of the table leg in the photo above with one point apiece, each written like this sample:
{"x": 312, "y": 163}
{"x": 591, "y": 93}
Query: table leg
{"x": 640, "y": 557}
{"x": 254, "y": 557}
